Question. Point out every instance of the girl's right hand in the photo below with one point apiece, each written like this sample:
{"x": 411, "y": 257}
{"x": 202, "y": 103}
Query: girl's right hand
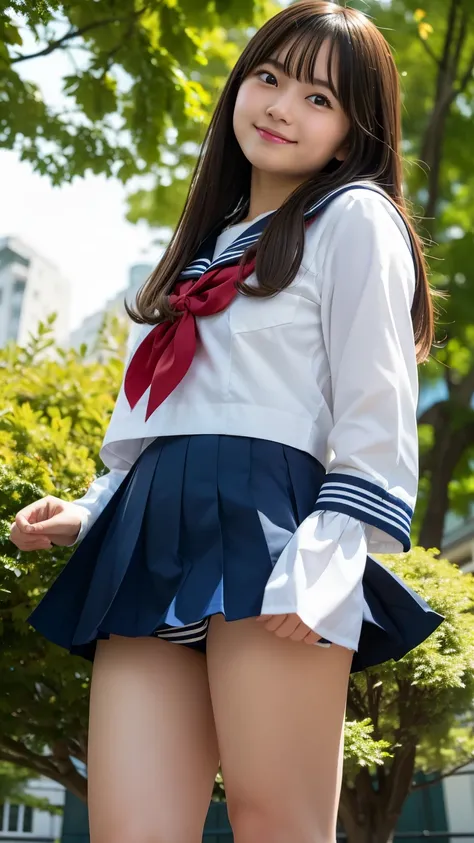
{"x": 46, "y": 522}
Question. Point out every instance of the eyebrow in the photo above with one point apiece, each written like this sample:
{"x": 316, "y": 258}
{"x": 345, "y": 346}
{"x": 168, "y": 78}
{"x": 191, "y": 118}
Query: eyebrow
{"x": 321, "y": 82}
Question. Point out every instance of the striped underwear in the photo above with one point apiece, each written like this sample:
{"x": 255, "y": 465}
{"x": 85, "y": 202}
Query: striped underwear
{"x": 194, "y": 635}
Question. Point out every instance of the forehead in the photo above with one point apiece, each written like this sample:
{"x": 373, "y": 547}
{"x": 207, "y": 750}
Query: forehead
{"x": 294, "y": 52}
{"x": 307, "y": 58}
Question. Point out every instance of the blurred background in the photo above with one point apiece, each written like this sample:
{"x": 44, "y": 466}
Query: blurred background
{"x": 103, "y": 106}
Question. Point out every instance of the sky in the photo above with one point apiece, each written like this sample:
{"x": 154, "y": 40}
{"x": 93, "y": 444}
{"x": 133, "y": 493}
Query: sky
{"x": 80, "y": 227}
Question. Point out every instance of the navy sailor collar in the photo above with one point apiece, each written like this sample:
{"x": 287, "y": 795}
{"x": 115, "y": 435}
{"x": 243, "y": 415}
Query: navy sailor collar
{"x": 231, "y": 255}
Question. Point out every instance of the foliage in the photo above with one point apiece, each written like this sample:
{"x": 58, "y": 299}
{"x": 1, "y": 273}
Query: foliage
{"x": 55, "y": 409}
{"x": 138, "y": 101}
{"x": 434, "y": 50}
{"x": 13, "y": 783}
{"x": 142, "y": 78}
{"x": 415, "y": 708}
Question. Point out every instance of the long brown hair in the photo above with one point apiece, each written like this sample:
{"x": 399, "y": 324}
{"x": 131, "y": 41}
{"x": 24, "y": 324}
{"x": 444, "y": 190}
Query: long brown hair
{"x": 368, "y": 90}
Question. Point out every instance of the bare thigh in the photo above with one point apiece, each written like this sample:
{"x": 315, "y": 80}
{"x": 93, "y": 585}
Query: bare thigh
{"x": 279, "y": 709}
{"x": 152, "y": 755}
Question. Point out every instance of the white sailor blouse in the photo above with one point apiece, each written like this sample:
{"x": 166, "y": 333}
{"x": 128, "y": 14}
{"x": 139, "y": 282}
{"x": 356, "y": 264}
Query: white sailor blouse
{"x": 327, "y": 366}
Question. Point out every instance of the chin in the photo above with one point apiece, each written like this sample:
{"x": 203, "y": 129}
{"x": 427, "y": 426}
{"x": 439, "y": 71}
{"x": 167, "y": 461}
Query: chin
{"x": 269, "y": 160}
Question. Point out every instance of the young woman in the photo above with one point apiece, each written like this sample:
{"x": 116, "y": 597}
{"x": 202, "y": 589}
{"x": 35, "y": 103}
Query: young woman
{"x": 263, "y": 441}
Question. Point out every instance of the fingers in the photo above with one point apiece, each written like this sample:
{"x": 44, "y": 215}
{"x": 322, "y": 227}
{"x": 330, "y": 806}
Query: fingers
{"x": 289, "y": 626}
{"x": 311, "y": 637}
{"x": 48, "y": 525}
{"x": 27, "y": 530}
{"x": 25, "y": 541}
{"x": 28, "y": 517}
{"x": 47, "y": 516}
{"x": 275, "y": 622}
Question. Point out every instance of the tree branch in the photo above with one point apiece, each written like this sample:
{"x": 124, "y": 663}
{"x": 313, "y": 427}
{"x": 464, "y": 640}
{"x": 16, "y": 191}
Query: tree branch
{"x": 75, "y": 33}
{"x": 431, "y": 414}
{"x": 449, "y": 34}
{"x": 465, "y": 79}
{"x": 63, "y": 771}
{"x": 442, "y": 776}
{"x": 463, "y": 391}
{"x": 463, "y": 29}
{"x": 429, "y": 50}
{"x": 17, "y": 753}
{"x": 356, "y": 703}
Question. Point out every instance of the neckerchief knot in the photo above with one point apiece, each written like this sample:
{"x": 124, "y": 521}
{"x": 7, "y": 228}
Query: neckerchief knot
{"x": 165, "y": 355}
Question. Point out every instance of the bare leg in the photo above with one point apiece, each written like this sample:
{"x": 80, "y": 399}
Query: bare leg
{"x": 152, "y": 745}
{"x": 279, "y": 709}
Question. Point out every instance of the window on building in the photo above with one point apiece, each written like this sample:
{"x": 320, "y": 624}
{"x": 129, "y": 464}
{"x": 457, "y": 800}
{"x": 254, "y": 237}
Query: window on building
{"x": 28, "y": 818}
{"x": 16, "y": 818}
{"x": 13, "y": 817}
{"x": 19, "y": 287}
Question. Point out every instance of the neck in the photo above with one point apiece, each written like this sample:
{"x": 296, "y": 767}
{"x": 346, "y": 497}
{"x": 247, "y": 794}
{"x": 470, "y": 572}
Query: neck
{"x": 268, "y": 192}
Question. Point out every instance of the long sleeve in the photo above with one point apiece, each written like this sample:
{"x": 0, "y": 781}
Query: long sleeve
{"x": 96, "y": 498}
{"x": 366, "y": 501}
{"x": 102, "y": 488}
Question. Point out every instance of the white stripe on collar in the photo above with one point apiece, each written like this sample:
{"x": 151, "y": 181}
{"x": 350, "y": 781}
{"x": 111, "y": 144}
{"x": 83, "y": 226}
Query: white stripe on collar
{"x": 232, "y": 254}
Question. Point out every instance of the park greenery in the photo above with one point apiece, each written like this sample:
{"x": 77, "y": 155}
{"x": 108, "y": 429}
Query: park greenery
{"x": 142, "y": 78}
{"x": 402, "y": 717}
{"x": 139, "y": 84}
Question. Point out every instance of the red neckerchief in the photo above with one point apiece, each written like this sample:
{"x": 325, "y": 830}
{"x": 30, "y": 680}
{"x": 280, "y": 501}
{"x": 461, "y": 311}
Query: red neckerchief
{"x": 165, "y": 355}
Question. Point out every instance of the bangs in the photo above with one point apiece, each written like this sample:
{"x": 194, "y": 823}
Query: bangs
{"x": 300, "y": 53}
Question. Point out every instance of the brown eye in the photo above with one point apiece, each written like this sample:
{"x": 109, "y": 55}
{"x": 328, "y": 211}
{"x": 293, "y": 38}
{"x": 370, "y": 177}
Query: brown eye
{"x": 322, "y": 100}
{"x": 266, "y": 73}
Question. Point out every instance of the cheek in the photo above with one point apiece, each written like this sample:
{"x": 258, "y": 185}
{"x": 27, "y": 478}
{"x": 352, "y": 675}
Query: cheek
{"x": 242, "y": 111}
{"x": 326, "y": 131}
{"x": 242, "y": 102}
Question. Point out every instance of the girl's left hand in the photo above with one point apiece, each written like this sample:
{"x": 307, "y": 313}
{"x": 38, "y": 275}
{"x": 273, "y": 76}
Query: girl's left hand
{"x": 289, "y": 626}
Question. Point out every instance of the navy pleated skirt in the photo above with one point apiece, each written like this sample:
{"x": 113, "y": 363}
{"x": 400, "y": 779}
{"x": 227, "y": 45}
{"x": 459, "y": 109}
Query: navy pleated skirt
{"x": 194, "y": 530}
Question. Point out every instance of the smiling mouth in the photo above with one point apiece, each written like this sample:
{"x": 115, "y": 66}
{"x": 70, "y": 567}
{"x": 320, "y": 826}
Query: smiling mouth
{"x": 265, "y": 134}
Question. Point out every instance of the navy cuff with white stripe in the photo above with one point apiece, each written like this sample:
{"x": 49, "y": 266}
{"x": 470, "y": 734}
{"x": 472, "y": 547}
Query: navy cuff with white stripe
{"x": 367, "y": 502}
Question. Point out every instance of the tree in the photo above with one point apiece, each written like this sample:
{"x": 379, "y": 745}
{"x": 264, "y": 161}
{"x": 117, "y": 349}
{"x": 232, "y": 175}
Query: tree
{"x": 13, "y": 783}
{"x": 416, "y": 712}
{"x": 135, "y": 98}
{"x": 401, "y": 717}
{"x": 434, "y": 50}
{"x": 55, "y": 408}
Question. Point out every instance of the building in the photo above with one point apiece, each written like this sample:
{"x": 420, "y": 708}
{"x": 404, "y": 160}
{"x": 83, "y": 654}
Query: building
{"x": 458, "y": 540}
{"x": 31, "y": 289}
{"x": 88, "y": 330}
{"x": 21, "y": 822}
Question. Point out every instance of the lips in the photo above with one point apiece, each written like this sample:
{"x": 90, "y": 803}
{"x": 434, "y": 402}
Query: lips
{"x": 273, "y": 137}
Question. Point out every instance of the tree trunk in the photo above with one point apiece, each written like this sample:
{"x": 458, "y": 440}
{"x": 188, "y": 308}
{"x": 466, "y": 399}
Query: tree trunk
{"x": 448, "y": 447}
{"x": 448, "y": 86}
{"x": 373, "y": 826}
{"x": 369, "y": 815}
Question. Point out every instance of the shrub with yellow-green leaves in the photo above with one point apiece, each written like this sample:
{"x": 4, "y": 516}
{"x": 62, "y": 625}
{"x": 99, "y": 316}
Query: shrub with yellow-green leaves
{"x": 402, "y": 717}
{"x": 54, "y": 409}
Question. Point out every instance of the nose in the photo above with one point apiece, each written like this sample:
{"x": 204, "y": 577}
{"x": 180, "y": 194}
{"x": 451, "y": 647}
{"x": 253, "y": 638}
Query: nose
{"x": 281, "y": 109}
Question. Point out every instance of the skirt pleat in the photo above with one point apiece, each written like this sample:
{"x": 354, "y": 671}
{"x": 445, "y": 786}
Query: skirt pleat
{"x": 195, "y": 529}
{"x": 201, "y": 538}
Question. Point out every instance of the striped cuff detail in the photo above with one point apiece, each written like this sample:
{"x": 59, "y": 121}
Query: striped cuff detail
{"x": 367, "y": 502}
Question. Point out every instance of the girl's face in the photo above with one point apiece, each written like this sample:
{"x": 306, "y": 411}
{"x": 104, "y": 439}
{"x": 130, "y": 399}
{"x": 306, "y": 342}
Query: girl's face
{"x": 286, "y": 127}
